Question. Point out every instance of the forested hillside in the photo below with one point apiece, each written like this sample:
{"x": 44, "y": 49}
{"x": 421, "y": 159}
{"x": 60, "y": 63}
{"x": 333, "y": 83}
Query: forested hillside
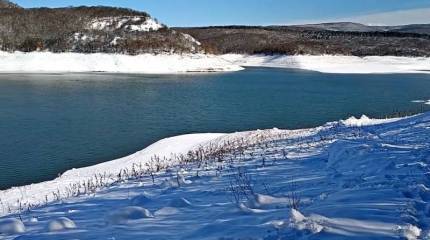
{"x": 88, "y": 30}
{"x": 311, "y": 40}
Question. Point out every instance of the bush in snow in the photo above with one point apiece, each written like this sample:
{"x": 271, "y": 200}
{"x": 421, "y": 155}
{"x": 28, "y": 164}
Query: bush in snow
{"x": 241, "y": 186}
{"x": 293, "y": 196}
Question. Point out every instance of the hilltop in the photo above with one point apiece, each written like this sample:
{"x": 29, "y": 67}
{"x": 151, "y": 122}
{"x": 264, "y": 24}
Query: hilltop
{"x": 7, "y": 4}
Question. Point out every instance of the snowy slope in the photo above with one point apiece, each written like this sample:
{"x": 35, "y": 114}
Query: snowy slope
{"x": 335, "y": 64}
{"x": 345, "y": 180}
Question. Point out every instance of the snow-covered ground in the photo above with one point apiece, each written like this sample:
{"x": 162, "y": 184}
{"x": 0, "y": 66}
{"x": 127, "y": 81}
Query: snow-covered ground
{"x": 175, "y": 63}
{"x": 335, "y": 64}
{"x": 352, "y": 179}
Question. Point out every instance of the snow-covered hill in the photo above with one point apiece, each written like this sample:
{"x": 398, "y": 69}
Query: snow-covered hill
{"x": 352, "y": 179}
{"x": 89, "y": 30}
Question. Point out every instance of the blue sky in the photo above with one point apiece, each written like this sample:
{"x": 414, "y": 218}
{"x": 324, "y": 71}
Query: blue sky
{"x": 265, "y": 12}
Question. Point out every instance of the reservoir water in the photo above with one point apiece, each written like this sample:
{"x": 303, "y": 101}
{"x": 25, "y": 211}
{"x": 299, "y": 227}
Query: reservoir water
{"x": 50, "y": 123}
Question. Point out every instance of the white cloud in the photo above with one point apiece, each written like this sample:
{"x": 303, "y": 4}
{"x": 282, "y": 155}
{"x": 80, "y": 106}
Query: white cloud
{"x": 402, "y": 17}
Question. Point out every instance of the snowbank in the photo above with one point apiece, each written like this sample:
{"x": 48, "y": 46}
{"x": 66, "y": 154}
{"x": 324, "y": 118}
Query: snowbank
{"x": 335, "y": 64}
{"x": 101, "y": 62}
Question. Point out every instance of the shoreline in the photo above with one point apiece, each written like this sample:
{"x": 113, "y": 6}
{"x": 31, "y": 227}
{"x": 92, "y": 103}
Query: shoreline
{"x": 47, "y": 62}
{"x": 169, "y": 150}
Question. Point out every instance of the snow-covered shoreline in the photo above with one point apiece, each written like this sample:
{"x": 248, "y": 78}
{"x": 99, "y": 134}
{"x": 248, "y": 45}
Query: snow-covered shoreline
{"x": 193, "y": 63}
{"x": 356, "y": 178}
{"x": 335, "y": 64}
{"x": 168, "y": 151}
{"x": 113, "y": 63}
{"x": 42, "y": 193}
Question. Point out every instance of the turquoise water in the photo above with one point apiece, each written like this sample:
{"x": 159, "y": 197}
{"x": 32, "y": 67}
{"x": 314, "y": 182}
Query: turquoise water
{"x": 50, "y": 123}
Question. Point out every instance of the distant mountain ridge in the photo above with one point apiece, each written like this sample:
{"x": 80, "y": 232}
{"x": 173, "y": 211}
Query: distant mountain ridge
{"x": 315, "y": 39}
{"x": 357, "y": 27}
